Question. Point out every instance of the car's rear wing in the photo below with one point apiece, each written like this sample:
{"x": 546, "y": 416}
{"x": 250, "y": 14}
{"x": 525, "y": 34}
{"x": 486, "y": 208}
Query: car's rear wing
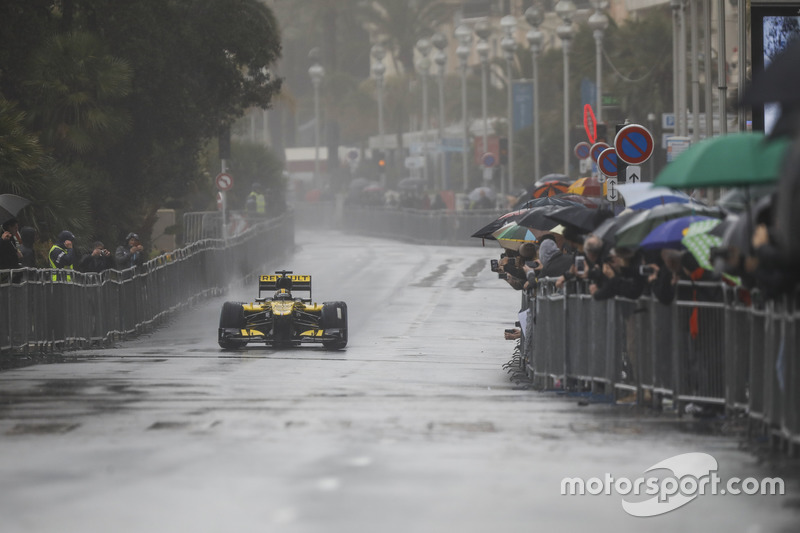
{"x": 279, "y": 280}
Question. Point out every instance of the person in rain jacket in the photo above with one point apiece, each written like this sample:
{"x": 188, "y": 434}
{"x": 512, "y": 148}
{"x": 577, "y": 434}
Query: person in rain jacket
{"x": 131, "y": 253}
{"x": 62, "y": 254}
{"x": 28, "y": 236}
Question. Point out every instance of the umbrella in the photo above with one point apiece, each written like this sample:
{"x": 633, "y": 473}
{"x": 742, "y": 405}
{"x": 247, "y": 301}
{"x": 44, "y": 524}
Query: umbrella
{"x": 373, "y": 187}
{"x": 579, "y": 217}
{"x": 551, "y": 177}
{"x": 608, "y": 228}
{"x": 646, "y": 195}
{"x": 731, "y": 160}
{"x": 475, "y": 195}
{"x": 736, "y": 199}
{"x": 551, "y": 188}
{"x": 486, "y": 231}
{"x": 512, "y": 236}
{"x": 411, "y": 184}
{"x": 670, "y": 233}
{"x": 642, "y": 223}
{"x": 699, "y": 242}
{"x": 588, "y": 187}
{"x": 10, "y": 205}
{"x": 536, "y": 218}
{"x": 561, "y": 200}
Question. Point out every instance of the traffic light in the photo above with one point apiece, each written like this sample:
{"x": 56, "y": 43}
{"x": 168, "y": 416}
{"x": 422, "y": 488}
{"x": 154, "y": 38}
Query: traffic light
{"x": 380, "y": 159}
{"x": 503, "y": 150}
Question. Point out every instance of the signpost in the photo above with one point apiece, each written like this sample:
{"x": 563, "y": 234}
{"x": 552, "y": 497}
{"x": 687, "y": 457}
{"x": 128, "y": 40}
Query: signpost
{"x": 633, "y": 174}
{"x": 634, "y": 144}
{"x": 597, "y": 149}
{"x": 583, "y": 150}
{"x": 224, "y": 181}
{"x": 488, "y": 159}
{"x": 607, "y": 162}
{"x": 612, "y": 194}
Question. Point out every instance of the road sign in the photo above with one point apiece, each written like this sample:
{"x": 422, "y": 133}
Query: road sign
{"x": 676, "y": 146}
{"x": 590, "y": 123}
{"x": 597, "y": 149}
{"x": 414, "y": 162}
{"x": 633, "y": 174}
{"x": 583, "y": 150}
{"x": 668, "y": 121}
{"x": 224, "y": 181}
{"x": 612, "y": 193}
{"x": 607, "y": 162}
{"x": 352, "y": 155}
{"x": 219, "y": 200}
{"x": 488, "y": 159}
{"x": 634, "y": 144}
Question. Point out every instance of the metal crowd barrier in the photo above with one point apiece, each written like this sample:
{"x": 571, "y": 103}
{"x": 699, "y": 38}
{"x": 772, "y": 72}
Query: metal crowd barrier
{"x": 710, "y": 350}
{"x": 50, "y": 310}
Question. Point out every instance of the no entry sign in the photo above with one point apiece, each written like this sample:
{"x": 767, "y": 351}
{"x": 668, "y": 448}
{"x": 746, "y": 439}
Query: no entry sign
{"x": 597, "y": 149}
{"x": 607, "y": 162}
{"x": 634, "y": 144}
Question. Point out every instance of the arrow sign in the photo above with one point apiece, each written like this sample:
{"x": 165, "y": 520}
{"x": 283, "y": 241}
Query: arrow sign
{"x": 634, "y": 144}
{"x": 597, "y": 149}
{"x": 607, "y": 162}
{"x": 612, "y": 194}
{"x": 224, "y": 181}
{"x": 634, "y": 174}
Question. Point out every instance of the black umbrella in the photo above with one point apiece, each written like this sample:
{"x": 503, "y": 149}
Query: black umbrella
{"x": 486, "y": 231}
{"x": 10, "y": 205}
{"x": 580, "y": 217}
{"x": 536, "y": 218}
{"x": 779, "y": 81}
{"x": 607, "y": 229}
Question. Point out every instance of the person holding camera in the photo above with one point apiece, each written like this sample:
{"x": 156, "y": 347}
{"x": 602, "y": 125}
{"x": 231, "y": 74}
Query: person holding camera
{"x": 130, "y": 254}
{"x": 98, "y": 260}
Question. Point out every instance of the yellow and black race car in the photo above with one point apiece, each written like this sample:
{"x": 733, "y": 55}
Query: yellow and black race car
{"x": 283, "y": 320}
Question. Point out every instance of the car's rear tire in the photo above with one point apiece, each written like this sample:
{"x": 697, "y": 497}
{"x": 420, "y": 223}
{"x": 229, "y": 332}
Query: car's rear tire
{"x": 334, "y": 316}
{"x": 231, "y": 317}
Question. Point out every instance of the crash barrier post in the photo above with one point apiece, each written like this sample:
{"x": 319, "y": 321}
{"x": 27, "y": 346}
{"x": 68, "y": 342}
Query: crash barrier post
{"x": 422, "y": 226}
{"x": 48, "y": 310}
{"x": 710, "y": 347}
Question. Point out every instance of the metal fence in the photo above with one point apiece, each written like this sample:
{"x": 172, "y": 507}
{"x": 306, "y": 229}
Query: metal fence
{"x": 49, "y": 310}
{"x": 422, "y": 226}
{"x": 692, "y": 354}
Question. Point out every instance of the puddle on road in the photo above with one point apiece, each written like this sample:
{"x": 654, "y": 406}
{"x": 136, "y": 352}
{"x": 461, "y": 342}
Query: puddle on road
{"x": 42, "y": 429}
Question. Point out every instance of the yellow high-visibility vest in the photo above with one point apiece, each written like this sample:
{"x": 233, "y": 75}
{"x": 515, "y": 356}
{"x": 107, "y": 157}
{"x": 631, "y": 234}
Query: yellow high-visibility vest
{"x": 53, "y": 265}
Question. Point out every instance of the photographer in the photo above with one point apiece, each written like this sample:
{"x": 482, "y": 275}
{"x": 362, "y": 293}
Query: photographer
{"x": 98, "y": 260}
{"x": 618, "y": 276}
{"x": 131, "y": 254}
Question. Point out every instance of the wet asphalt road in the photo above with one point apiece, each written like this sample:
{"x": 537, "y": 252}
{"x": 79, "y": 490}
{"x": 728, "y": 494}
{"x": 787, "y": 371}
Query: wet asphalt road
{"x": 415, "y": 427}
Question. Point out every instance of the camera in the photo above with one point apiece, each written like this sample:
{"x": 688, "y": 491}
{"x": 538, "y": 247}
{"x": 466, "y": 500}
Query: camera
{"x": 580, "y": 264}
{"x": 646, "y": 270}
{"x": 511, "y": 330}
{"x": 495, "y": 265}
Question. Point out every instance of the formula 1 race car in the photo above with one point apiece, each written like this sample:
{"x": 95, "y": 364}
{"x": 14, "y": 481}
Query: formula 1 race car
{"x": 283, "y": 320}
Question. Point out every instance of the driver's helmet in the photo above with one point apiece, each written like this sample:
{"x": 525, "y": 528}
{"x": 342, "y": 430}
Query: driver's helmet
{"x": 282, "y": 294}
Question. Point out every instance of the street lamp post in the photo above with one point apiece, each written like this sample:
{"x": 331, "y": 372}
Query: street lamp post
{"x": 317, "y": 73}
{"x": 464, "y": 36}
{"x": 482, "y": 30}
{"x": 565, "y": 10}
{"x": 378, "y": 52}
{"x": 509, "y": 46}
{"x": 534, "y": 17}
{"x": 440, "y": 58}
{"x": 598, "y": 23}
{"x": 424, "y": 47}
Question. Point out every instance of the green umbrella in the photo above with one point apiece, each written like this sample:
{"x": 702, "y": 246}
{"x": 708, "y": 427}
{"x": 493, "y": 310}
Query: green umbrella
{"x": 731, "y": 160}
{"x": 639, "y": 226}
{"x": 699, "y": 242}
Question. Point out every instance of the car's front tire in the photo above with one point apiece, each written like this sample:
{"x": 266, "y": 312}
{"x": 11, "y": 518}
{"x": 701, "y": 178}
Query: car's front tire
{"x": 334, "y": 316}
{"x": 231, "y": 317}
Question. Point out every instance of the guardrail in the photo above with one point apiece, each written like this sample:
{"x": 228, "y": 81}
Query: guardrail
{"x": 76, "y": 310}
{"x": 422, "y": 226}
{"x": 741, "y": 358}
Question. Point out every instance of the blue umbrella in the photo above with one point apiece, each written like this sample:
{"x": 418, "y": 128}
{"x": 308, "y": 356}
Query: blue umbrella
{"x": 670, "y": 233}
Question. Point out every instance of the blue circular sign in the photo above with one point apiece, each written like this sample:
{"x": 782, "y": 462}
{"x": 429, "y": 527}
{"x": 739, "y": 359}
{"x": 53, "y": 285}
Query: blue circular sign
{"x": 607, "y": 162}
{"x": 488, "y": 159}
{"x": 583, "y": 150}
{"x": 634, "y": 144}
{"x": 596, "y": 149}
